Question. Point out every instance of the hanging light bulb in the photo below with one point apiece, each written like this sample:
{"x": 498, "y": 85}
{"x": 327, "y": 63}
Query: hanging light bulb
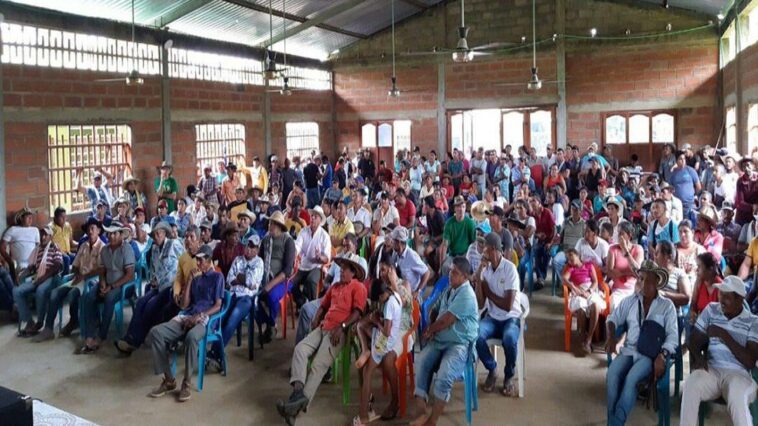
{"x": 534, "y": 83}
{"x": 462, "y": 52}
{"x": 665, "y": 4}
{"x": 668, "y": 27}
{"x": 286, "y": 87}
{"x": 394, "y": 92}
{"x": 593, "y": 32}
{"x": 523, "y": 39}
{"x": 628, "y": 32}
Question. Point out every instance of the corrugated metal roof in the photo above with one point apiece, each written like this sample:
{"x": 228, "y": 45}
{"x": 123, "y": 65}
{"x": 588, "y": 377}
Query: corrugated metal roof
{"x": 372, "y": 16}
{"x": 224, "y": 20}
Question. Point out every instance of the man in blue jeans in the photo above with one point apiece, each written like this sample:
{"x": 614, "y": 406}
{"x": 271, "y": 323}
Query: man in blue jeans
{"x": 117, "y": 269}
{"x": 497, "y": 289}
{"x": 48, "y": 262}
{"x": 631, "y": 367}
{"x": 448, "y": 340}
{"x": 244, "y": 279}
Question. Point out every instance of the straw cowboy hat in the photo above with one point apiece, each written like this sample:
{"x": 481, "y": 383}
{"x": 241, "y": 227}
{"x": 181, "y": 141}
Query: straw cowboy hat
{"x": 278, "y": 218}
{"x": 710, "y": 214}
{"x": 118, "y": 227}
{"x": 662, "y": 274}
{"x": 480, "y": 210}
{"x": 248, "y": 214}
{"x": 131, "y": 179}
{"x": 352, "y": 261}
{"x": 318, "y": 211}
{"x": 21, "y": 213}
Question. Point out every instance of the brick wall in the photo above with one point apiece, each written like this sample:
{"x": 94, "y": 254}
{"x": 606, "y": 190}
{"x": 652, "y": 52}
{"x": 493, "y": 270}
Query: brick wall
{"x": 747, "y": 74}
{"x": 35, "y": 97}
{"x": 676, "y": 72}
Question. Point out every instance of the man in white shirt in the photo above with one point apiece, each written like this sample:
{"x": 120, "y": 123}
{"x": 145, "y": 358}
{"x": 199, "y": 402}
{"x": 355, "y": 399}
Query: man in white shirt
{"x": 592, "y": 248}
{"x": 412, "y": 268}
{"x": 386, "y": 213}
{"x": 358, "y": 212}
{"x": 497, "y": 289}
{"x": 315, "y": 249}
{"x": 479, "y": 172}
{"x": 674, "y": 206}
{"x": 19, "y": 242}
{"x": 724, "y": 347}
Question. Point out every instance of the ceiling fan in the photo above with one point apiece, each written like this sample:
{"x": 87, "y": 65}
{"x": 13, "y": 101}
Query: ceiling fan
{"x": 534, "y": 83}
{"x": 133, "y": 78}
{"x": 462, "y": 52}
{"x": 270, "y": 72}
{"x": 285, "y": 90}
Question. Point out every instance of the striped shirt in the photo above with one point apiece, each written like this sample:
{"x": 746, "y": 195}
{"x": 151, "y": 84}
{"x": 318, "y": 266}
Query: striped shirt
{"x": 54, "y": 257}
{"x": 743, "y": 328}
{"x": 628, "y": 313}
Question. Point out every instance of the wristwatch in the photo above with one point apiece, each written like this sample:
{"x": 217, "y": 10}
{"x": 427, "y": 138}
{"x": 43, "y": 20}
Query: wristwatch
{"x": 344, "y": 327}
{"x": 665, "y": 354}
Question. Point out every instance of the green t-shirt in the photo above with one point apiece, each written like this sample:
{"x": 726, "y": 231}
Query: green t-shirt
{"x": 459, "y": 235}
{"x": 460, "y": 302}
{"x": 169, "y": 187}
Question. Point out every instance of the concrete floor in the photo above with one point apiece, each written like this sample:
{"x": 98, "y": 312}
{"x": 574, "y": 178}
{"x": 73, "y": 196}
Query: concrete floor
{"x": 561, "y": 389}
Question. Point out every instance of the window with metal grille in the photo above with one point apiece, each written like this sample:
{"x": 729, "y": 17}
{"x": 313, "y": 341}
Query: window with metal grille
{"x": 302, "y": 138}
{"x": 71, "y": 147}
{"x": 219, "y": 142}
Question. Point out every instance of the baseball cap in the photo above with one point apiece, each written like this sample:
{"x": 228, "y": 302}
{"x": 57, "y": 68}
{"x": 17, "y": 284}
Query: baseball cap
{"x": 254, "y": 241}
{"x": 493, "y": 240}
{"x": 206, "y": 224}
{"x": 399, "y": 234}
{"x": 204, "y": 252}
{"x": 732, "y": 284}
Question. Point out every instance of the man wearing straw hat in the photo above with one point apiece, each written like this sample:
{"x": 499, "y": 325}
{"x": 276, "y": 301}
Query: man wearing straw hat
{"x": 315, "y": 250}
{"x": 278, "y": 252}
{"x": 166, "y": 187}
{"x": 117, "y": 268}
{"x": 99, "y": 191}
{"x": 724, "y": 347}
{"x": 208, "y": 186}
{"x": 136, "y": 198}
{"x": 636, "y": 362}
{"x": 341, "y": 307}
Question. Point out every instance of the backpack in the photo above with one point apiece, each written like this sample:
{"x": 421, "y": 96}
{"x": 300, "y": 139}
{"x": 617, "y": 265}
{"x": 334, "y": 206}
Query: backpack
{"x": 670, "y": 231}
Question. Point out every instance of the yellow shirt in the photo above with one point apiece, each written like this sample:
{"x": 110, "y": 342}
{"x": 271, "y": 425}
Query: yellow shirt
{"x": 752, "y": 251}
{"x": 183, "y": 273}
{"x": 62, "y": 236}
{"x": 339, "y": 230}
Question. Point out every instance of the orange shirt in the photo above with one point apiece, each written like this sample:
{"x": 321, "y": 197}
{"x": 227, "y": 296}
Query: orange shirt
{"x": 340, "y": 301}
{"x": 229, "y": 188}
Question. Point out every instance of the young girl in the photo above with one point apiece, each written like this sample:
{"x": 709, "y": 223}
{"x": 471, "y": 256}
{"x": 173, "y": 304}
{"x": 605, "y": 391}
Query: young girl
{"x": 384, "y": 329}
{"x": 585, "y": 299}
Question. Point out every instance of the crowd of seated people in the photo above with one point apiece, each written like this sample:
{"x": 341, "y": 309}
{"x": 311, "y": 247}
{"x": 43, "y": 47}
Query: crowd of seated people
{"x": 356, "y": 248}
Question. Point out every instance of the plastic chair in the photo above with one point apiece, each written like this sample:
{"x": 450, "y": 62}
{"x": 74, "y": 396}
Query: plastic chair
{"x": 342, "y": 364}
{"x": 283, "y": 302}
{"x": 404, "y": 364}
{"x": 470, "y": 383}
{"x": 427, "y": 304}
{"x": 567, "y": 312}
{"x": 212, "y": 334}
{"x": 520, "y": 363}
{"x": 678, "y": 355}
{"x": 119, "y": 307}
{"x": 705, "y": 405}
{"x": 663, "y": 387}
{"x": 250, "y": 320}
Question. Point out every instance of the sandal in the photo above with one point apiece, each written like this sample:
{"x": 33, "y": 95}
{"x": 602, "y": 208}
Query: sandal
{"x": 357, "y": 421}
{"x": 385, "y": 417}
{"x": 86, "y": 350}
{"x": 509, "y": 390}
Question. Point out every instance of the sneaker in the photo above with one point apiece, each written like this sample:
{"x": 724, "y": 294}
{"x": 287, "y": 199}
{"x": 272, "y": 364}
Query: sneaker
{"x": 123, "y": 347}
{"x": 69, "y": 328}
{"x": 165, "y": 387}
{"x": 38, "y": 326}
{"x": 184, "y": 394}
{"x": 297, "y": 402}
{"x": 267, "y": 335}
{"x": 489, "y": 383}
{"x": 45, "y": 335}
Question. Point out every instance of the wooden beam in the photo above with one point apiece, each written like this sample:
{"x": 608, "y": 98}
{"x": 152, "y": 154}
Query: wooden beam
{"x": 416, "y": 3}
{"x": 278, "y": 13}
{"x": 317, "y": 20}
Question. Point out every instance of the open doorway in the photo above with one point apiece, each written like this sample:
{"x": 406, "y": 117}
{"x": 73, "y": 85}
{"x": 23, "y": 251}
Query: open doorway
{"x": 494, "y": 129}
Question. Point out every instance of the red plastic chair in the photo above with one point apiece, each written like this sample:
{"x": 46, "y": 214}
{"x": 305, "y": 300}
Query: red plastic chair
{"x": 567, "y": 313}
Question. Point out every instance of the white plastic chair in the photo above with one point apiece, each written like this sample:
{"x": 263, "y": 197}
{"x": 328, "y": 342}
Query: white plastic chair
{"x": 520, "y": 364}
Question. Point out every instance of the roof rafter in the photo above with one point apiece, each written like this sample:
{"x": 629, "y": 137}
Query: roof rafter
{"x": 318, "y": 19}
{"x": 179, "y": 12}
{"x": 291, "y": 17}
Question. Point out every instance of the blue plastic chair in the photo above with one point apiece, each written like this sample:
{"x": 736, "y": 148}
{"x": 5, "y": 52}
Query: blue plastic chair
{"x": 250, "y": 320}
{"x": 212, "y": 334}
{"x": 426, "y": 304}
{"x": 663, "y": 387}
{"x": 470, "y": 383}
{"x": 678, "y": 355}
{"x": 721, "y": 401}
{"x": 126, "y": 295}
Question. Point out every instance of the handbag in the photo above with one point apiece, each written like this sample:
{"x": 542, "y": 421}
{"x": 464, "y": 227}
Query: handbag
{"x": 652, "y": 336}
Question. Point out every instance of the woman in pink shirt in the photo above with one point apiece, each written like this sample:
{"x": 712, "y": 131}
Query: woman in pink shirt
{"x": 622, "y": 258}
{"x": 585, "y": 300}
{"x": 707, "y": 235}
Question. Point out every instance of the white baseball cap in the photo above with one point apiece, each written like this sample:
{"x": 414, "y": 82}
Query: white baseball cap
{"x": 732, "y": 284}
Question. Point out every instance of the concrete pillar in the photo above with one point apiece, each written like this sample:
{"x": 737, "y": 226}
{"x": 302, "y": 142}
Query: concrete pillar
{"x": 3, "y": 185}
{"x": 561, "y": 114}
{"x": 165, "y": 107}
{"x": 739, "y": 107}
{"x": 441, "y": 113}
{"x": 267, "y": 118}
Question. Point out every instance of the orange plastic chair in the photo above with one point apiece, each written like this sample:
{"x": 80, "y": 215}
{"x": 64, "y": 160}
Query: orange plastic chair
{"x": 404, "y": 364}
{"x": 287, "y": 300}
{"x": 567, "y": 313}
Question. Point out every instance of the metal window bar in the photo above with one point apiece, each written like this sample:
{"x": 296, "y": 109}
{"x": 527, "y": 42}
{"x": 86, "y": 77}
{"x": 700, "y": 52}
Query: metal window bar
{"x": 219, "y": 142}
{"x": 86, "y": 146}
{"x": 302, "y": 138}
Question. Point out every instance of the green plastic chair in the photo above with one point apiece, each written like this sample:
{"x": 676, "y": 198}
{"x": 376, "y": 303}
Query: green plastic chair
{"x": 341, "y": 368}
{"x": 705, "y": 406}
